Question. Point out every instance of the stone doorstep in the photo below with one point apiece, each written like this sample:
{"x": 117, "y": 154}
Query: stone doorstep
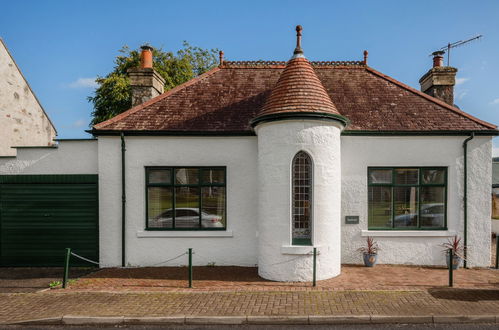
{"x": 291, "y": 319}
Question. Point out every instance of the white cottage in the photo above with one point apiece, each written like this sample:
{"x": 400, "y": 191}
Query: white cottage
{"x": 257, "y": 163}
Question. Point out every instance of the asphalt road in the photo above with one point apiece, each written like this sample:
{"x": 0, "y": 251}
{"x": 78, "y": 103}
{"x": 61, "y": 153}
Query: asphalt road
{"x": 278, "y": 327}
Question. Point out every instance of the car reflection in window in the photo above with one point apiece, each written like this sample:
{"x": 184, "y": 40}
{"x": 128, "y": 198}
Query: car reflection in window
{"x": 186, "y": 218}
{"x": 432, "y": 215}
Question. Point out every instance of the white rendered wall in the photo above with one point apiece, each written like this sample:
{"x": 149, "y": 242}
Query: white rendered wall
{"x": 278, "y": 143}
{"x": 70, "y": 157}
{"x": 418, "y": 248}
{"x": 236, "y": 246}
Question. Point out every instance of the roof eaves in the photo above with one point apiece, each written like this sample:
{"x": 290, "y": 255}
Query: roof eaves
{"x": 492, "y": 132}
{"x": 170, "y": 133}
{"x": 431, "y": 98}
{"x": 27, "y": 84}
{"x": 172, "y": 91}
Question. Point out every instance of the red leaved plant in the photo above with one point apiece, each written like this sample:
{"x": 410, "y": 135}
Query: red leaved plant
{"x": 371, "y": 247}
{"x": 455, "y": 245}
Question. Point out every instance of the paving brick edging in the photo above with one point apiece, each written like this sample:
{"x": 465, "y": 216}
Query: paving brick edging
{"x": 235, "y": 320}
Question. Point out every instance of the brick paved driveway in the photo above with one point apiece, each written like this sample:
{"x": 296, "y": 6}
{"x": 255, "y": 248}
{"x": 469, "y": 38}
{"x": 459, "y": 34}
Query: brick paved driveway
{"x": 381, "y": 277}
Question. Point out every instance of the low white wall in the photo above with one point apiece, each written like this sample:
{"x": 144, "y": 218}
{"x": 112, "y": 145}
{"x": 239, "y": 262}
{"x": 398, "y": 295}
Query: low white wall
{"x": 70, "y": 157}
{"x": 236, "y": 246}
{"x": 278, "y": 143}
{"x": 361, "y": 152}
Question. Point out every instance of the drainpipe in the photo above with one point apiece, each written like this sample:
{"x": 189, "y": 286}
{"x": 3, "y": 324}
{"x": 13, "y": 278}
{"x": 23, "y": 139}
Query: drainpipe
{"x": 465, "y": 197}
{"x": 123, "y": 200}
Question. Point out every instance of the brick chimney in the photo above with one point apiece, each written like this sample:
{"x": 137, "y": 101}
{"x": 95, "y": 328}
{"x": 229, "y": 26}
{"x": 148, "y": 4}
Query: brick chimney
{"x": 146, "y": 83}
{"x": 439, "y": 81}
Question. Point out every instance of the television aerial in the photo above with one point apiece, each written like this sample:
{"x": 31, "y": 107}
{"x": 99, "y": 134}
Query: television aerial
{"x": 446, "y": 49}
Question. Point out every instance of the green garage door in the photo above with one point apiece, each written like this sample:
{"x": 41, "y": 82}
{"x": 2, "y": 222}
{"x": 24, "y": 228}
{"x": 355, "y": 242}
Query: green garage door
{"x": 41, "y": 215}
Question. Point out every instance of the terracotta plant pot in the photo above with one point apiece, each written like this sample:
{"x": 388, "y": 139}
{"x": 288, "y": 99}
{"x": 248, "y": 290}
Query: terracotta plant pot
{"x": 370, "y": 259}
{"x": 456, "y": 262}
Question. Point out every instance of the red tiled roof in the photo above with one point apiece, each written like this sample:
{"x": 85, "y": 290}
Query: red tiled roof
{"x": 298, "y": 90}
{"x": 228, "y": 97}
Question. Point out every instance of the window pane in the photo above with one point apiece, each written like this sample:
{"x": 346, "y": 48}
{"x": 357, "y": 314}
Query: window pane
{"x": 159, "y": 208}
{"x": 186, "y": 176}
{"x": 432, "y": 206}
{"x": 186, "y": 207}
{"x": 214, "y": 176}
{"x": 433, "y": 176}
{"x": 302, "y": 186}
{"x": 380, "y": 207}
{"x": 380, "y": 176}
{"x": 213, "y": 215}
{"x": 159, "y": 176}
{"x": 406, "y": 176}
{"x": 406, "y": 206}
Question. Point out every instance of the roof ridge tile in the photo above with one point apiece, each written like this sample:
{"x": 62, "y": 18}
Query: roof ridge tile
{"x": 282, "y": 64}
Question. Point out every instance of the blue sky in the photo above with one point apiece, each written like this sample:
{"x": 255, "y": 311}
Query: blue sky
{"x": 61, "y": 46}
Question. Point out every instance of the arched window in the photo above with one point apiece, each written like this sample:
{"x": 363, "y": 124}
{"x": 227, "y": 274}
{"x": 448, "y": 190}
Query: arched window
{"x": 302, "y": 199}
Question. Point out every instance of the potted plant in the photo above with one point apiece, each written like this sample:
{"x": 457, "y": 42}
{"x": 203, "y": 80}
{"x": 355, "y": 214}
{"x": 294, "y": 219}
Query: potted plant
{"x": 457, "y": 248}
{"x": 370, "y": 252}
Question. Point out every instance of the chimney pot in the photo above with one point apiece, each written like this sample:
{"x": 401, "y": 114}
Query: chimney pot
{"x": 146, "y": 57}
{"x": 221, "y": 57}
{"x": 438, "y": 59}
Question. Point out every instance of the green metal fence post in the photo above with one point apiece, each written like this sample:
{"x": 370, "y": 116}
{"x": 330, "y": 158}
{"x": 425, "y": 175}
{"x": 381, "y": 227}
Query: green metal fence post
{"x": 66, "y": 268}
{"x": 497, "y": 250}
{"x": 190, "y": 267}
{"x": 451, "y": 268}
{"x": 315, "y": 268}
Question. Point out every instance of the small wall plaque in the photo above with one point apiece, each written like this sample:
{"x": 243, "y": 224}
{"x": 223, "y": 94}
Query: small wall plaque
{"x": 351, "y": 219}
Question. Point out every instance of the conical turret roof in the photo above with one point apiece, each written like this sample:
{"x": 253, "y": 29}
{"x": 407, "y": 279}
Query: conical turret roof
{"x": 298, "y": 91}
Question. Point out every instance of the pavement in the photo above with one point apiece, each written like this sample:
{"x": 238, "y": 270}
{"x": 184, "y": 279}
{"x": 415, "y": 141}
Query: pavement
{"x": 292, "y": 307}
{"x": 237, "y": 296}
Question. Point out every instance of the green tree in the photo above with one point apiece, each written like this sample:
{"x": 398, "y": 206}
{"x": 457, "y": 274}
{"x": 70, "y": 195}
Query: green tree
{"x": 113, "y": 96}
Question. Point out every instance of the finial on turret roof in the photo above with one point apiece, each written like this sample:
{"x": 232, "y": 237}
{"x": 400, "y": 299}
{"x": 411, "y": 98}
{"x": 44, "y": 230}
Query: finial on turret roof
{"x": 298, "y": 49}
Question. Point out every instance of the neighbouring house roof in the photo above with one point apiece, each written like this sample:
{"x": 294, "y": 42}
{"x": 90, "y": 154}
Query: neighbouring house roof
{"x": 225, "y": 99}
{"x": 2, "y": 43}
